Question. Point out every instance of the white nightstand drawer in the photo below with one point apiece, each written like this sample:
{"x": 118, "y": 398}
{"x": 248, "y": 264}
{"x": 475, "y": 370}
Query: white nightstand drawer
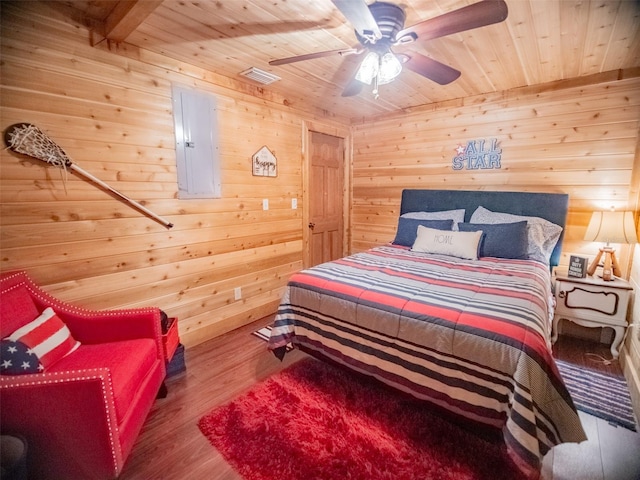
{"x": 592, "y": 302}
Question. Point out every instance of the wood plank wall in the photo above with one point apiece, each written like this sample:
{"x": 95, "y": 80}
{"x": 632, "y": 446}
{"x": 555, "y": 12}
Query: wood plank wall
{"x": 111, "y": 111}
{"x": 578, "y": 137}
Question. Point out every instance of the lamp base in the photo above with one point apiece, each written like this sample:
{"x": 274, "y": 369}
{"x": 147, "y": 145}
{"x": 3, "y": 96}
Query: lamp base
{"x": 610, "y": 268}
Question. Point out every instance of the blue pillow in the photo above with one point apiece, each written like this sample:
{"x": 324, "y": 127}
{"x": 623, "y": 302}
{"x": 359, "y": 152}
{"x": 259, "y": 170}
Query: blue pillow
{"x": 408, "y": 229}
{"x": 501, "y": 240}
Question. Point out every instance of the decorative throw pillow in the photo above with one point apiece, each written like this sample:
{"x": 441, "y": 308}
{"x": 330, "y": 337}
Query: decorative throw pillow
{"x": 454, "y": 244}
{"x": 46, "y": 337}
{"x": 456, "y": 215}
{"x": 17, "y": 359}
{"x": 542, "y": 234}
{"x": 500, "y": 240}
{"x": 408, "y": 229}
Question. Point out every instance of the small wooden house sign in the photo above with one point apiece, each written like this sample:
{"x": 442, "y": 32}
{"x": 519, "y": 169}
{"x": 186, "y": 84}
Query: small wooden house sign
{"x": 264, "y": 163}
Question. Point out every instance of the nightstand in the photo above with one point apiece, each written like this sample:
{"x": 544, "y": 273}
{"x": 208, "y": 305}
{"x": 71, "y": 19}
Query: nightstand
{"x": 592, "y": 302}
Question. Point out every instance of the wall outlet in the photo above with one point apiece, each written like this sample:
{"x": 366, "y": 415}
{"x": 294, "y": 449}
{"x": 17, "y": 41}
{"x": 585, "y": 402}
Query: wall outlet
{"x": 237, "y": 293}
{"x": 294, "y": 203}
{"x": 265, "y": 204}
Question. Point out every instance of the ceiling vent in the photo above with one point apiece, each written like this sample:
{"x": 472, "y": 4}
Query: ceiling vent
{"x": 260, "y": 76}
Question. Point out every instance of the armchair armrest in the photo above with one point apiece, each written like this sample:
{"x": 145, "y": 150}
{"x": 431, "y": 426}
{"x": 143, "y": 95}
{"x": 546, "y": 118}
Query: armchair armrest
{"x": 39, "y": 407}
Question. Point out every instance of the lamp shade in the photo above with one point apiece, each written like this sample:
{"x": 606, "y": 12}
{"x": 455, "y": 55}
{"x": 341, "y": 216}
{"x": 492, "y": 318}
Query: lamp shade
{"x": 390, "y": 68}
{"x": 385, "y": 67}
{"x": 611, "y": 227}
{"x": 368, "y": 68}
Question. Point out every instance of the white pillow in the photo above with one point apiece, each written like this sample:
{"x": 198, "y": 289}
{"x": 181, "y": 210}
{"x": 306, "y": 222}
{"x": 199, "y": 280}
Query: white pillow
{"x": 542, "y": 234}
{"x": 454, "y": 244}
{"x": 456, "y": 215}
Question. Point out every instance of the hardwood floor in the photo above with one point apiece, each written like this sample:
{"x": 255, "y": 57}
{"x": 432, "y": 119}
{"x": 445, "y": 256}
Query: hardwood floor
{"x": 611, "y": 453}
{"x": 171, "y": 446}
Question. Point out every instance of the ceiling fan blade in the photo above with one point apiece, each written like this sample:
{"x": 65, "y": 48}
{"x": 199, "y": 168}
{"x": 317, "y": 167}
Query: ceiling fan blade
{"x": 431, "y": 69}
{"x": 486, "y": 12}
{"x": 360, "y": 17}
{"x": 310, "y": 56}
{"x": 354, "y": 87}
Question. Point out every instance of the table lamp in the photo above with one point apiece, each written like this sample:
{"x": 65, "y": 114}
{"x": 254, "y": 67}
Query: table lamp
{"x": 610, "y": 227}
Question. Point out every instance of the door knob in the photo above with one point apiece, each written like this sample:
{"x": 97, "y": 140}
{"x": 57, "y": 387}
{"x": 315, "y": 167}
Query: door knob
{"x": 311, "y": 225}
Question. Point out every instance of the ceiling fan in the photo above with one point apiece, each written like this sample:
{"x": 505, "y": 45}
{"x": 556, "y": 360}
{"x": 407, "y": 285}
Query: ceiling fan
{"x": 380, "y": 26}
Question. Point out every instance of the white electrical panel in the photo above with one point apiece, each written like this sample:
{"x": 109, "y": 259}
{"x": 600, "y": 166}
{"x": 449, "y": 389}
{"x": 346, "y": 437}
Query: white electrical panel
{"x": 197, "y": 150}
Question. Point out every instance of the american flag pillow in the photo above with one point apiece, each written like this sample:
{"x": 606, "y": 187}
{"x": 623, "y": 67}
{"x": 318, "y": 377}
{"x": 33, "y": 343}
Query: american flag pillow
{"x": 17, "y": 359}
{"x": 47, "y": 337}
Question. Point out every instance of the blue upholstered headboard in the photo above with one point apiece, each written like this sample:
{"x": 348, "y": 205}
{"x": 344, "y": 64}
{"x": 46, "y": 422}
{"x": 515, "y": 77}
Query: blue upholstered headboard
{"x": 550, "y": 206}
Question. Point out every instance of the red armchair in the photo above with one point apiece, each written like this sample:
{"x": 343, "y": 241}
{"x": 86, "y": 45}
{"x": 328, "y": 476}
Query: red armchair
{"x": 83, "y": 413}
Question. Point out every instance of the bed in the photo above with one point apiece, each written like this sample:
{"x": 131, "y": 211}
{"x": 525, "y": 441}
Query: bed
{"x": 457, "y": 311}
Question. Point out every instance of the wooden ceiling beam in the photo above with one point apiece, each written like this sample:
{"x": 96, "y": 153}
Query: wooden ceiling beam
{"x": 126, "y": 16}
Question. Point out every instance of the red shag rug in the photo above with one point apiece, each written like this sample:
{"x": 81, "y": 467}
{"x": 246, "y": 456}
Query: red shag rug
{"x": 314, "y": 421}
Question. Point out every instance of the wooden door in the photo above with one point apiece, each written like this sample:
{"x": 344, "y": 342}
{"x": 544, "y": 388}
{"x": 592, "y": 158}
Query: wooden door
{"x": 326, "y": 198}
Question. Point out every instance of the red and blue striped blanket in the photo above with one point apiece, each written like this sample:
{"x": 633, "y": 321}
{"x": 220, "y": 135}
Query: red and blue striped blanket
{"x": 469, "y": 336}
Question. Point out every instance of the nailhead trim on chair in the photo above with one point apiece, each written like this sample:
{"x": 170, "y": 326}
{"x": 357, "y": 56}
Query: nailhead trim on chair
{"x": 37, "y": 291}
{"x": 105, "y": 381}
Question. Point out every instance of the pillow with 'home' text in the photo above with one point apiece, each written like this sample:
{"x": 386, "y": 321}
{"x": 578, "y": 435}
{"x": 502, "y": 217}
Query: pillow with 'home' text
{"x": 455, "y": 244}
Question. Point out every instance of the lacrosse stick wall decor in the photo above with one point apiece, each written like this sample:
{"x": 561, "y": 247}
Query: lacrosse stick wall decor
{"x": 29, "y": 140}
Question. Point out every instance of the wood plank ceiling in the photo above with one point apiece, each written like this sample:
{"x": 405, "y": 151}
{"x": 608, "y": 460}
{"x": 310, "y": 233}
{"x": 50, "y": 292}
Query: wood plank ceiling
{"x": 541, "y": 41}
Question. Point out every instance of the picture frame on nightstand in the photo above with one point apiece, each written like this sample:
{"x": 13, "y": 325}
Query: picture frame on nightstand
{"x": 577, "y": 267}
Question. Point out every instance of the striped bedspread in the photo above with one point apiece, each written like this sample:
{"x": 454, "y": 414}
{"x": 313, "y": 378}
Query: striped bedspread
{"x": 469, "y": 336}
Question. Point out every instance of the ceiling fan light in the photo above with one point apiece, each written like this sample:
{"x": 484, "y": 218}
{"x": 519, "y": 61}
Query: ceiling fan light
{"x": 368, "y": 68}
{"x": 390, "y": 68}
